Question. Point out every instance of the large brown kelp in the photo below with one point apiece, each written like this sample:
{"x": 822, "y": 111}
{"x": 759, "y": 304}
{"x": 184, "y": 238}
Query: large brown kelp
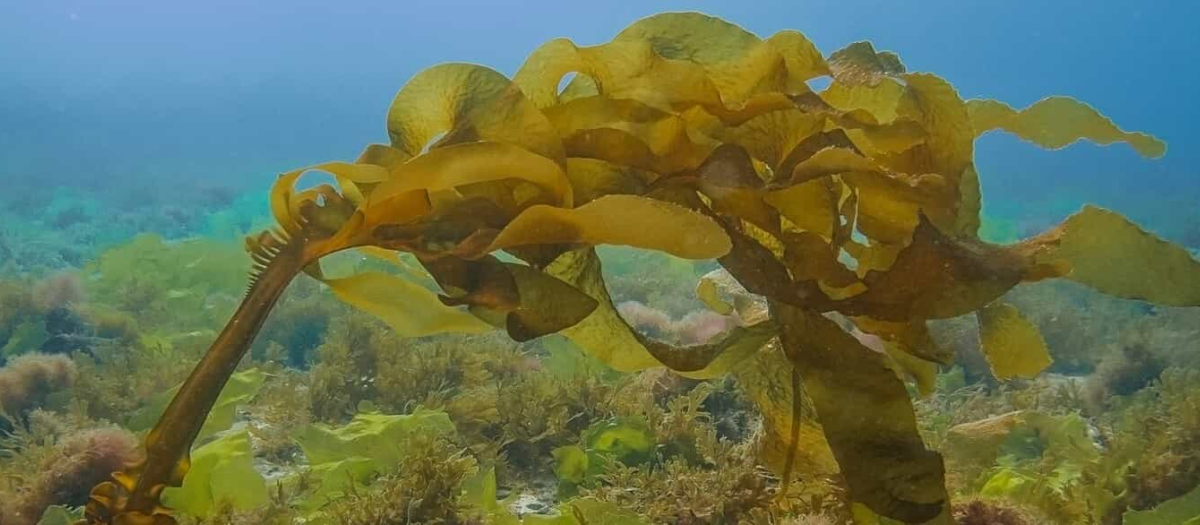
{"x": 851, "y": 213}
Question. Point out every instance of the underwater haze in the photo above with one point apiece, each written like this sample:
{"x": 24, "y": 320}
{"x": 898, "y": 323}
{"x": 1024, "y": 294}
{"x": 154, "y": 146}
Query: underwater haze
{"x": 806, "y": 263}
{"x": 237, "y": 91}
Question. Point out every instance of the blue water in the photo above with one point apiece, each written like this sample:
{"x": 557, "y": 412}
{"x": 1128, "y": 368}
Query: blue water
{"x": 127, "y": 90}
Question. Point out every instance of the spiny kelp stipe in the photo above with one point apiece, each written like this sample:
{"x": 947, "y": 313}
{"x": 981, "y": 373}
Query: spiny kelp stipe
{"x": 849, "y": 210}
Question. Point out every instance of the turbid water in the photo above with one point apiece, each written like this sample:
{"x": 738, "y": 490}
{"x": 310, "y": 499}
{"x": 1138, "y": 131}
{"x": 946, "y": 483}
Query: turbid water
{"x": 713, "y": 263}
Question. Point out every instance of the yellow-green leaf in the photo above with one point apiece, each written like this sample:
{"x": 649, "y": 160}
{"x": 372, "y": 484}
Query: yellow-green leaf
{"x": 222, "y": 472}
{"x": 706, "y": 290}
{"x": 1055, "y": 122}
{"x": 1013, "y": 346}
{"x": 409, "y": 308}
{"x": 1109, "y": 253}
{"x": 624, "y": 220}
{"x": 467, "y": 102}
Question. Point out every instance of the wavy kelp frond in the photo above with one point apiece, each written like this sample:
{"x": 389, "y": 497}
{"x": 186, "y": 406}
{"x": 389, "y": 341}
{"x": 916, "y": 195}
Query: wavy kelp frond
{"x": 531, "y": 302}
{"x": 686, "y": 134}
{"x": 605, "y": 334}
{"x": 622, "y": 220}
{"x": 737, "y": 62}
{"x": 675, "y": 62}
{"x": 1013, "y": 346}
{"x": 1056, "y": 122}
{"x": 788, "y": 437}
{"x": 420, "y": 314}
{"x": 867, "y": 418}
{"x": 466, "y": 103}
{"x": 1111, "y": 254}
{"x": 859, "y": 63}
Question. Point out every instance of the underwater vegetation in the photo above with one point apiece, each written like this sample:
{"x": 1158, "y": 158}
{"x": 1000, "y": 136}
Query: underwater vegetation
{"x": 501, "y": 377}
{"x": 854, "y": 212}
{"x": 29, "y": 379}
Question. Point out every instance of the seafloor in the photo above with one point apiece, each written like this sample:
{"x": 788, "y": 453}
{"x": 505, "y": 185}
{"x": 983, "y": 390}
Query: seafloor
{"x": 107, "y": 300}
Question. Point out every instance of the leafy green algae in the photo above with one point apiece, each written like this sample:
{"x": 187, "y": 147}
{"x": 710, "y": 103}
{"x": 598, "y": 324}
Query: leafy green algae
{"x": 373, "y": 436}
{"x": 481, "y": 494}
{"x": 189, "y": 284}
{"x": 628, "y": 441}
{"x": 222, "y": 473}
{"x": 1184, "y": 510}
{"x": 343, "y": 460}
{"x": 240, "y": 390}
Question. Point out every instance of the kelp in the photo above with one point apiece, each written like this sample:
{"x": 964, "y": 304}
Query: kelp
{"x": 853, "y": 211}
{"x": 1055, "y": 122}
{"x": 1012, "y": 345}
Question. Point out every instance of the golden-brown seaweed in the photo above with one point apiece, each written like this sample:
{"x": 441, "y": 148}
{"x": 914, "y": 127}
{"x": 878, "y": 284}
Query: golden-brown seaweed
{"x": 689, "y": 135}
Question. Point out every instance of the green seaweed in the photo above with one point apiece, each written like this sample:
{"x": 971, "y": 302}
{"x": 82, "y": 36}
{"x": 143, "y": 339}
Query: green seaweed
{"x": 222, "y": 472}
{"x": 626, "y": 440}
{"x": 425, "y": 485}
{"x": 1184, "y": 510}
{"x": 334, "y": 480}
{"x": 25, "y": 337}
{"x": 169, "y": 286}
{"x": 59, "y": 515}
{"x": 372, "y": 436}
{"x": 240, "y": 390}
{"x": 480, "y": 493}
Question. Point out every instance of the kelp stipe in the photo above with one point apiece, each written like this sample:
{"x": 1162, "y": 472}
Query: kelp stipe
{"x": 848, "y": 218}
{"x": 133, "y": 495}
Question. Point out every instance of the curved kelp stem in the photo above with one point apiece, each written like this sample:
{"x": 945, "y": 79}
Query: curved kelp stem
{"x": 132, "y": 498}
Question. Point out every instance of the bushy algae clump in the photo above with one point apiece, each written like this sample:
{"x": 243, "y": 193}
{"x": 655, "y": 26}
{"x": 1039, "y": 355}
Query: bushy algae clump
{"x": 848, "y": 216}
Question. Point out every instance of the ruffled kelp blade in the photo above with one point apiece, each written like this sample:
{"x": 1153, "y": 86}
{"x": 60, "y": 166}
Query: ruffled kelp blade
{"x": 1012, "y": 344}
{"x": 1106, "y": 251}
{"x": 1056, "y": 122}
{"x": 787, "y": 177}
{"x": 408, "y": 308}
{"x": 456, "y": 103}
{"x": 867, "y": 417}
{"x": 689, "y": 135}
{"x": 623, "y": 220}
